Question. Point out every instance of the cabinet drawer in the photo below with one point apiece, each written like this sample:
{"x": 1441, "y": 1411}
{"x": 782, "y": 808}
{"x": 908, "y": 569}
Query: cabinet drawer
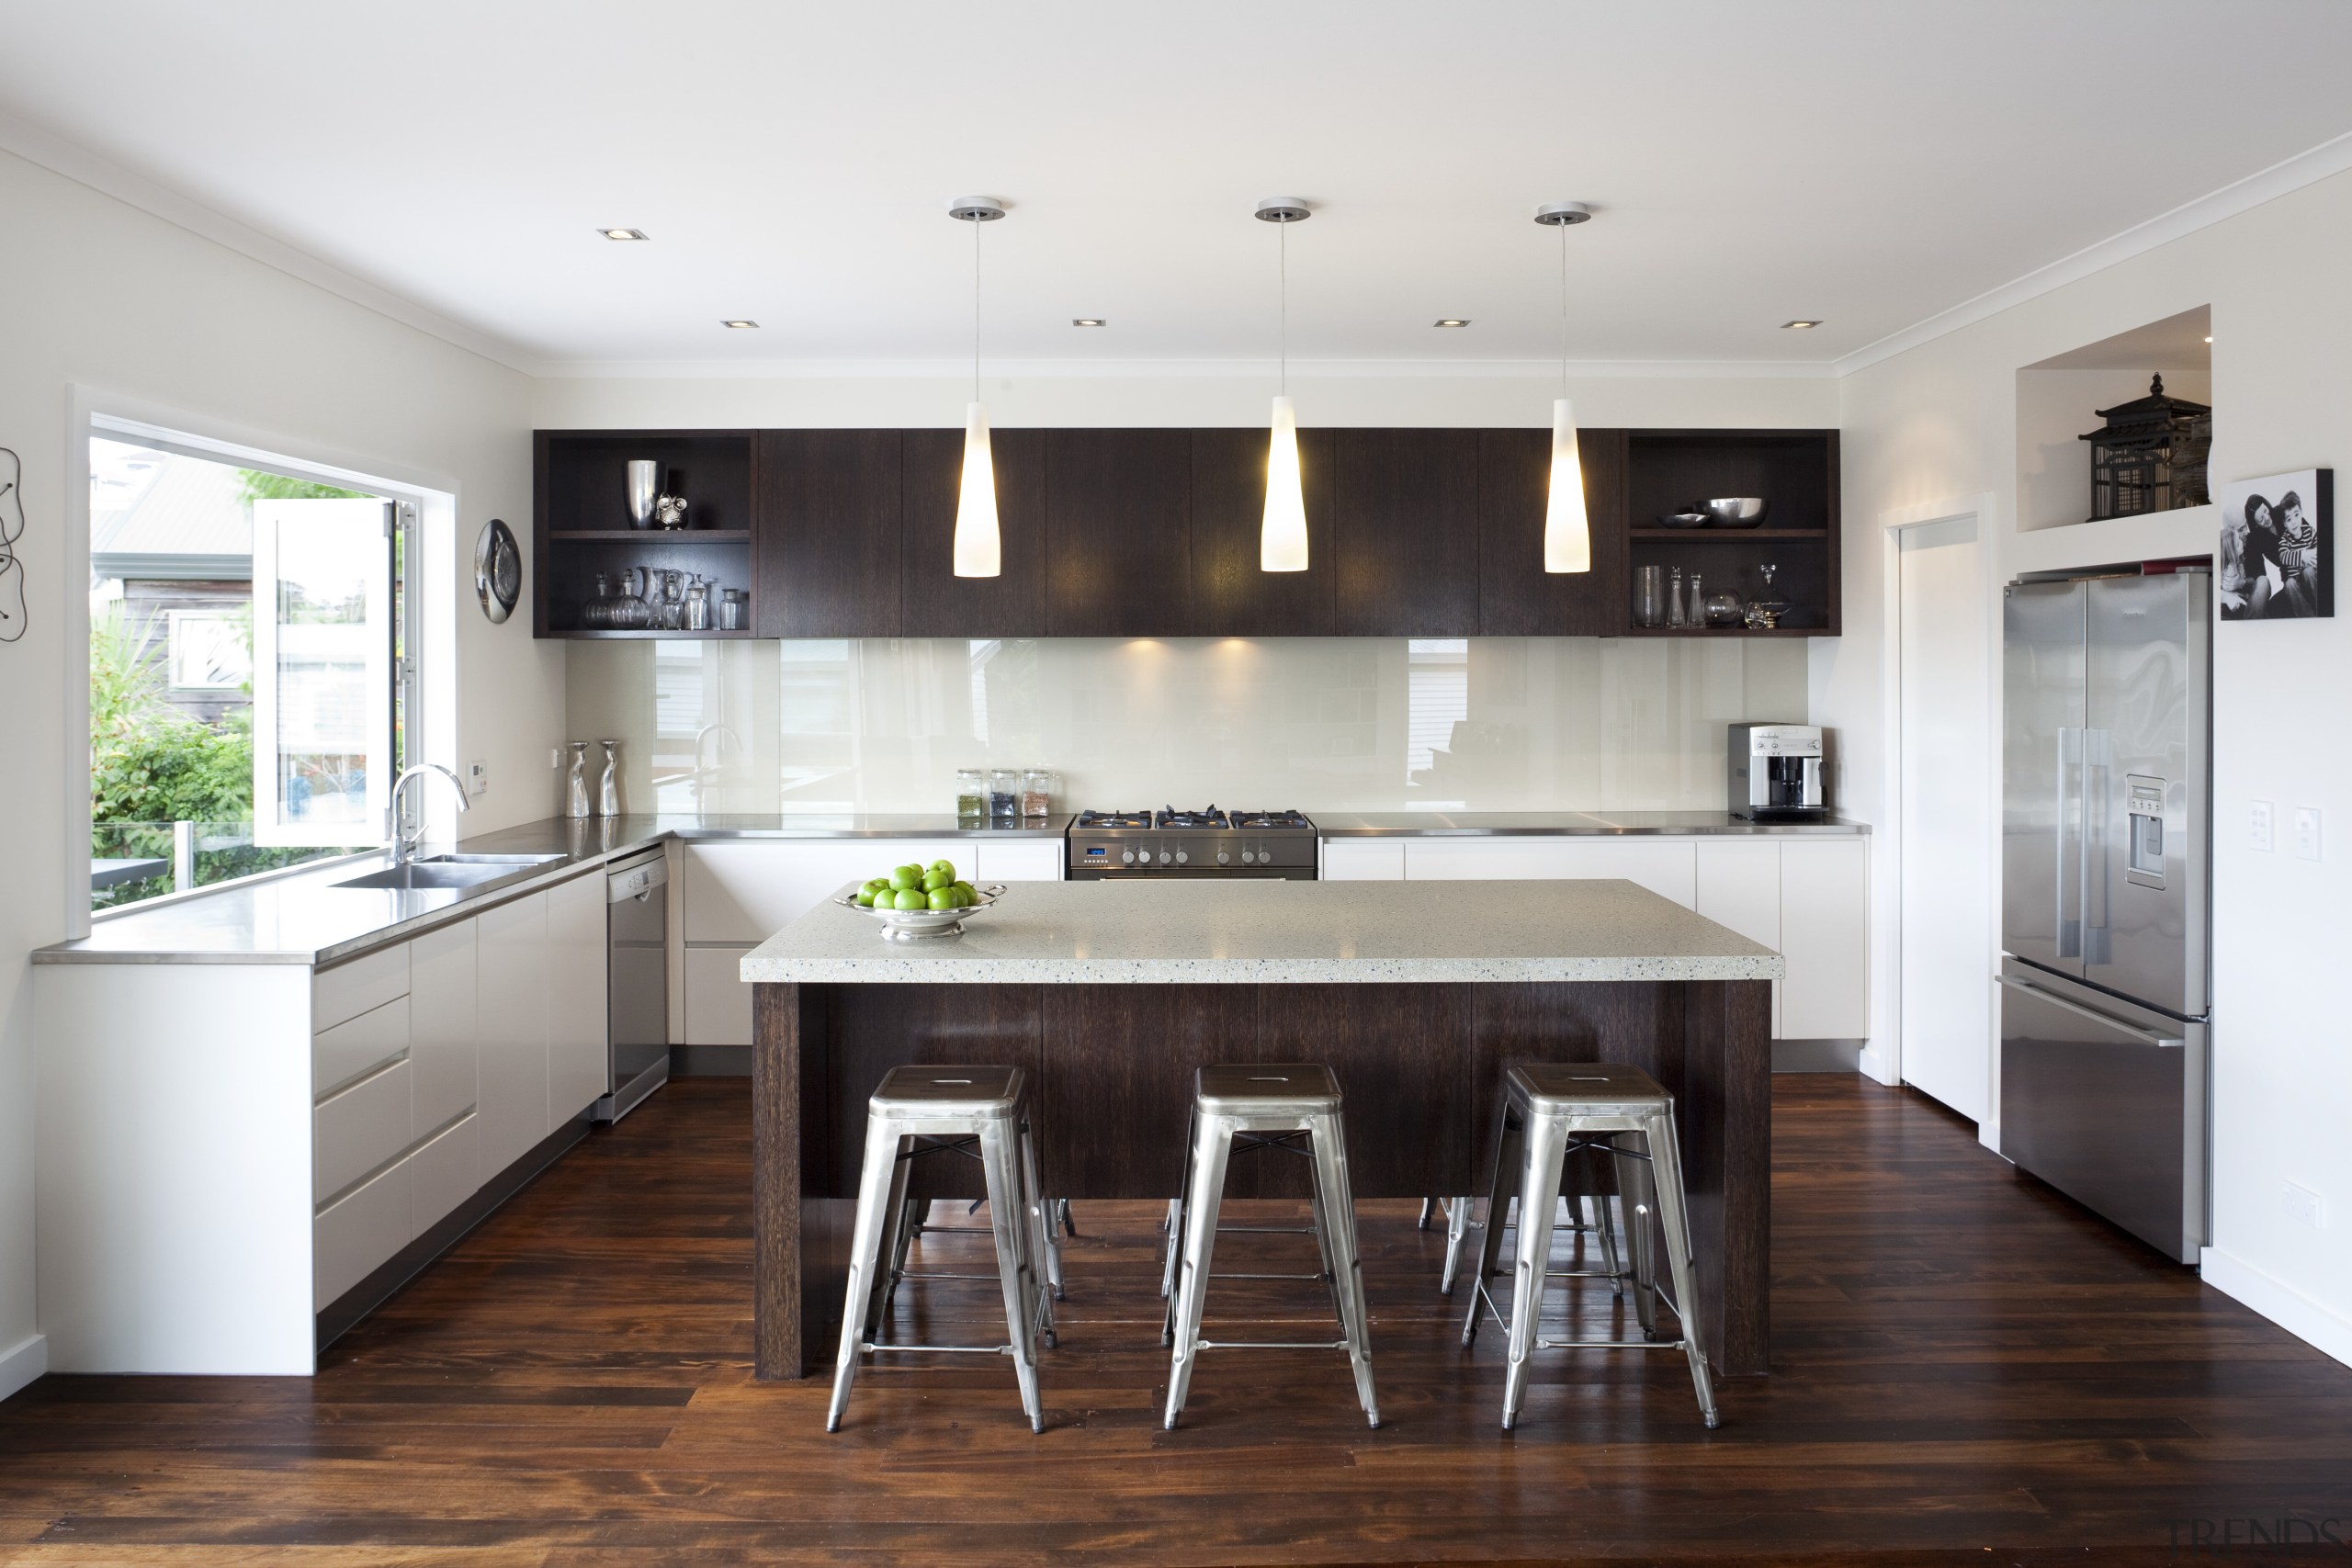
{"x": 363, "y": 984}
{"x": 1031, "y": 860}
{"x": 1665, "y": 866}
{"x": 359, "y": 1234}
{"x": 355, "y": 1132}
{"x": 442, "y": 1174}
{"x": 355, "y": 1047}
{"x": 1364, "y": 859}
{"x": 718, "y": 1004}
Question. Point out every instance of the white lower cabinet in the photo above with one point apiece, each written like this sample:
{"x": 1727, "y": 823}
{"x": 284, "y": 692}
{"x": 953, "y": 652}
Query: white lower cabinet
{"x": 1011, "y": 860}
{"x": 1738, "y": 885}
{"x": 577, "y": 1059}
{"x": 512, "y": 1030}
{"x": 359, "y": 1231}
{"x": 443, "y": 1057}
{"x": 718, "y": 1004}
{"x": 355, "y": 1130}
{"x": 1665, "y": 866}
{"x": 1364, "y": 859}
{"x": 443, "y": 1173}
{"x": 1825, "y": 936}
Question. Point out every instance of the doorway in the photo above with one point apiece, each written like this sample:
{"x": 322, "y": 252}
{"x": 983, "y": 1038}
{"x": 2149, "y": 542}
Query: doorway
{"x": 1945, "y": 819}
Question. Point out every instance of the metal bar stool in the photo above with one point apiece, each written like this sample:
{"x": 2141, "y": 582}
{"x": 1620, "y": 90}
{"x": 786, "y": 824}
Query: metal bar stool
{"x": 982, "y": 1114}
{"x": 1546, "y": 1112}
{"x": 1591, "y": 1215}
{"x": 1266, "y": 1108}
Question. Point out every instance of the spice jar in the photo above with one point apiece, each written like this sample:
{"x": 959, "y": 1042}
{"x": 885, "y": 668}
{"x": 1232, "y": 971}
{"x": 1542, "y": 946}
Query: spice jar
{"x": 1037, "y": 793}
{"x": 1004, "y": 794}
{"x": 971, "y": 795}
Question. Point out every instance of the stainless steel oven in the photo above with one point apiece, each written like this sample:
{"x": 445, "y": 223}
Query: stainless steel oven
{"x": 1180, "y": 846}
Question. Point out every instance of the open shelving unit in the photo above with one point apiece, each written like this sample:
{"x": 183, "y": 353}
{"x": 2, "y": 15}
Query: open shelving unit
{"x": 579, "y": 523}
{"x": 1796, "y": 473}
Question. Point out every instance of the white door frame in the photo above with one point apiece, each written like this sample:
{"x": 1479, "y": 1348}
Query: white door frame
{"x": 1983, "y": 507}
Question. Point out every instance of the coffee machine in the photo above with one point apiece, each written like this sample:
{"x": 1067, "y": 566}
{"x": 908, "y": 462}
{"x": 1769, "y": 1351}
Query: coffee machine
{"x": 1776, "y": 773}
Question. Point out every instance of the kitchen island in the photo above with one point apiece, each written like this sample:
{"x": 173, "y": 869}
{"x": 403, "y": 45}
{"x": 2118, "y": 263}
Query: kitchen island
{"x": 1110, "y": 995}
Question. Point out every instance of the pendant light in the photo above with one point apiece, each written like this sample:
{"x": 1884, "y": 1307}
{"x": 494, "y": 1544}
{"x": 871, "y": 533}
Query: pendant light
{"x": 1282, "y": 536}
{"x": 980, "y": 550}
{"x": 1567, "y": 533}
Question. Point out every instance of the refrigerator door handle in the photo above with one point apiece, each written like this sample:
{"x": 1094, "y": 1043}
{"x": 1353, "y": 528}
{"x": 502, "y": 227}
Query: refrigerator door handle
{"x": 2146, "y": 1036}
{"x": 2096, "y": 781}
{"x": 2066, "y": 872}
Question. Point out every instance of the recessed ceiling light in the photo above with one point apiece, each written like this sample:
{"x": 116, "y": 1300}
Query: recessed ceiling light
{"x": 739, "y": 324}
{"x": 1087, "y": 321}
{"x": 1453, "y": 320}
{"x": 624, "y": 233}
{"x": 1799, "y": 326}
{"x": 2208, "y": 337}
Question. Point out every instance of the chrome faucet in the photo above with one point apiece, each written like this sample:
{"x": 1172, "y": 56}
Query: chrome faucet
{"x": 404, "y": 842}
{"x": 719, "y": 752}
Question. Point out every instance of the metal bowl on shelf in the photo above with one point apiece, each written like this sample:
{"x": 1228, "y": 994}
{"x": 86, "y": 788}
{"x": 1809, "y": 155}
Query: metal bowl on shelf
{"x": 916, "y": 925}
{"x": 1733, "y": 511}
{"x": 1683, "y": 520}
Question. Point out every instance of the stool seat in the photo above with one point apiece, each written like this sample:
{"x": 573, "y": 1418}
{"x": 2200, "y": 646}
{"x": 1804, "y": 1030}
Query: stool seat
{"x": 1588, "y": 1089}
{"x": 1240, "y": 1089}
{"x": 961, "y": 1092}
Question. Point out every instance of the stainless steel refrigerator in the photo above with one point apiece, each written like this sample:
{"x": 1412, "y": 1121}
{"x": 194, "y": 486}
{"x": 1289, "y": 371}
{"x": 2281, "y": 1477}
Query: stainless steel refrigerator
{"x": 2105, "y": 850}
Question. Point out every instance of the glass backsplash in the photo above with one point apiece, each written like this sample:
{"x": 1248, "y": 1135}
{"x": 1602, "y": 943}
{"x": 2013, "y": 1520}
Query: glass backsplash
{"x": 1330, "y": 723}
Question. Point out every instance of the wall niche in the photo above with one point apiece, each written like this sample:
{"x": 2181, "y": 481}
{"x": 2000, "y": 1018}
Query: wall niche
{"x": 2058, "y": 399}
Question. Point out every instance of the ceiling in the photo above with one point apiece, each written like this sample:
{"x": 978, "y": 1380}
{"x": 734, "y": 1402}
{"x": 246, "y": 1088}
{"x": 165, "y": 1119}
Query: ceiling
{"x": 1871, "y": 164}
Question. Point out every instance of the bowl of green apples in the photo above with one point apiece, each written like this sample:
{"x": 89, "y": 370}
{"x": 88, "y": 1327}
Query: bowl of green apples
{"x": 917, "y": 901}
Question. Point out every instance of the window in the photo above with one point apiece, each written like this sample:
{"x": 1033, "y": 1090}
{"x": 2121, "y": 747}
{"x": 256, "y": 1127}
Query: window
{"x": 249, "y": 679}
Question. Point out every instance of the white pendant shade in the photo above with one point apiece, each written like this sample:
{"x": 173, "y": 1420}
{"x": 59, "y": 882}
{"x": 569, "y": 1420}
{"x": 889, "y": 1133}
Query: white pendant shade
{"x": 1567, "y": 537}
{"x": 980, "y": 550}
{"x": 1282, "y": 540}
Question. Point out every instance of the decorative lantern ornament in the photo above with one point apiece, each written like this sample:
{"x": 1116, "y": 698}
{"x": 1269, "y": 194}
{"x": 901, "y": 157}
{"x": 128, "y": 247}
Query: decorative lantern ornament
{"x": 980, "y": 550}
{"x": 1567, "y": 532}
{"x": 2150, "y": 456}
{"x": 1281, "y": 535}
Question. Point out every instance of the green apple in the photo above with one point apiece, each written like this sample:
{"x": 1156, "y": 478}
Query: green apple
{"x": 906, "y": 877}
{"x": 912, "y": 899}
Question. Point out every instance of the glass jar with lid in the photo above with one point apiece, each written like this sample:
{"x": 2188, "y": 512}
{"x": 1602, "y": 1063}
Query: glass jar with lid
{"x": 1004, "y": 794}
{"x": 971, "y": 795}
{"x": 1037, "y": 790}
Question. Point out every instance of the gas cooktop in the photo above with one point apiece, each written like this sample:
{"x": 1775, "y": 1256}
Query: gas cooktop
{"x": 1207, "y": 842}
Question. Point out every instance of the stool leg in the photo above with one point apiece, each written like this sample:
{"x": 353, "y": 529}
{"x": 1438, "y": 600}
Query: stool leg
{"x": 1422, "y": 1221}
{"x": 873, "y": 1188}
{"x": 1042, "y": 1210}
{"x": 1212, "y": 1146}
{"x": 1638, "y": 1181}
{"x": 1457, "y": 1229}
{"x": 1546, "y": 1144}
{"x": 1010, "y": 1218}
{"x": 1040, "y": 1213}
{"x": 1510, "y": 1135}
{"x": 1176, "y": 1232}
{"x": 1607, "y": 1228}
{"x": 898, "y": 1226}
{"x": 1666, "y": 1158}
{"x": 1336, "y": 1196}
{"x": 1319, "y": 1222}
{"x": 1070, "y": 1220}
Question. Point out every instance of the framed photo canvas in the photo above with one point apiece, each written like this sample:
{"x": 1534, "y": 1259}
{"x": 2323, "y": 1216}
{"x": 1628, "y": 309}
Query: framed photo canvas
{"x": 2277, "y": 555}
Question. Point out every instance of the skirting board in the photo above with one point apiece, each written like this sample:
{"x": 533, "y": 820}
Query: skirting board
{"x": 1816, "y": 1055}
{"x": 2321, "y": 1326}
{"x": 21, "y": 1364}
{"x": 710, "y": 1061}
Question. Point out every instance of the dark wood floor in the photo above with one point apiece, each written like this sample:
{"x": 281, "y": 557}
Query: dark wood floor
{"x": 1963, "y": 1361}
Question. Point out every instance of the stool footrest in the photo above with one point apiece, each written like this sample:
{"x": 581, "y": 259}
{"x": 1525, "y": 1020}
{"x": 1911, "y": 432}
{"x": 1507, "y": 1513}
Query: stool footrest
{"x": 1269, "y": 1344}
{"x": 1315, "y": 1277}
{"x": 872, "y": 1349}
{"x": 1612, "y": 1345}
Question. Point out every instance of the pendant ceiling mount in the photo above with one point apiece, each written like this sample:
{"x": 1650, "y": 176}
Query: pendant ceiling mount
{"x": 1283, "y": 209}
{"x": 1567, "y": 531}
{"x": 975, "y": 208}
{"x": 1560, "y": 214}
{"x": 1281, "y": 535}
{"x": 979, "y": 545}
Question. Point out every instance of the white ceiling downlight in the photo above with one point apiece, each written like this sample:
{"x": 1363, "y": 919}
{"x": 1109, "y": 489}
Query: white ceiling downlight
{"x": 1087, "y": 321}
{"x": 1800, "y": 326}
{"x": 1451, "y": 321}
{"x": 625, "y": 233}
{"x": 739, "y": 324}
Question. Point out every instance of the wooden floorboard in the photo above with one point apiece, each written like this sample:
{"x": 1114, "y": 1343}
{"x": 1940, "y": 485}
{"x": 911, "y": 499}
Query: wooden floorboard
{"x": 1963, "y": 1361}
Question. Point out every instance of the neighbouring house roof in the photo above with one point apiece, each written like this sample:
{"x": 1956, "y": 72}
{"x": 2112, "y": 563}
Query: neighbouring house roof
{"x": 157, "y": 515}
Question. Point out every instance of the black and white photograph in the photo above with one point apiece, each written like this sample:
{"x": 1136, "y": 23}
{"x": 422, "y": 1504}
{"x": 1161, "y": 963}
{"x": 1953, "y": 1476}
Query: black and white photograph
{"x": 2276, "y": 561}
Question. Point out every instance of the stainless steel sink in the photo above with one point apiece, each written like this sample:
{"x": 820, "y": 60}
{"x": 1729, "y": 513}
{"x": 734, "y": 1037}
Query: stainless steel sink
{"x": 444, "y": 871}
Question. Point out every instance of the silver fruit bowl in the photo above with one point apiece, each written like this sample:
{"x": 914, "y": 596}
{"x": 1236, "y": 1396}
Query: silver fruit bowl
{"x": 1683, "y": 520}
{"x": 1733, "y": 511}
{"x": 915, "y": 925}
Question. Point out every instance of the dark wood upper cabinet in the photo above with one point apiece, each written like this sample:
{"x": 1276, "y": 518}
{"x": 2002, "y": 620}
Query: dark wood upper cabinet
{"x": 1516, "y": 596}
{"x": 937, "y": 602}
{"x": 1406, "y": 527}
{"x": 826, "y": 527}
{"x": 1232, "y": 596}
{"x": 1118, "y": 507}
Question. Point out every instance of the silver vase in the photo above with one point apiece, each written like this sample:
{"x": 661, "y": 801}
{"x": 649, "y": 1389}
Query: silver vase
{"x": 608, "y": 783}
{"x": 644, "y": 485}
{"x": 575, "y": 788}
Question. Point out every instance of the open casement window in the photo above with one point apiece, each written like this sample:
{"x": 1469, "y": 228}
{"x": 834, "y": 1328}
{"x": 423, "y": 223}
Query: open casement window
{"x": 324, "y": 623}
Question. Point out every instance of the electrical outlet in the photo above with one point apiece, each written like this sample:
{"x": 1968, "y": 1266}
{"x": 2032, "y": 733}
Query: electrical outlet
{"x": 2307, "y": 832}
{"x": 555, "y": 757}
{"x": 478, "y": 778}
{"x": 2257, "y": 827}
{"x": 2304, "y": 1206}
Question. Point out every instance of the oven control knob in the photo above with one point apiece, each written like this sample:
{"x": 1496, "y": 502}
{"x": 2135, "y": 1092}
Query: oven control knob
{"x": 1223, "y": 858}
{"x": 1249, "y": 857}
{"x": 1127, "y": 856}
{"x": 1182, "y": 857}
{"x": 1165, "y": 857}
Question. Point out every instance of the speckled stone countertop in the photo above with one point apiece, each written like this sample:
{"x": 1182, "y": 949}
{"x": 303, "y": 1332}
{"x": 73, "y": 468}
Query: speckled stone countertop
{"x": 1599, "y": 824}
{"x": 303, "y": 917}
{"x": 1258, "y": 932}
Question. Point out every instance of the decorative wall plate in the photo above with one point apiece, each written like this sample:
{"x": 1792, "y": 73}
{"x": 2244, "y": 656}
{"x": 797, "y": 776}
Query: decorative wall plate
{"x": 498, "y": 571}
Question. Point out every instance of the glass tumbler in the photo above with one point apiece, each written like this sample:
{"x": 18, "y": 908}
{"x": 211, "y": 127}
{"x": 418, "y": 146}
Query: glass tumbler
{"x": 1649, "y": 596}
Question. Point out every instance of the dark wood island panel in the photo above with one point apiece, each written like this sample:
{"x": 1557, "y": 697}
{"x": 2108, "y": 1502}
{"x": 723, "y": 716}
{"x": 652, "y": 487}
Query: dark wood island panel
{"x": 1112, "y": 1065}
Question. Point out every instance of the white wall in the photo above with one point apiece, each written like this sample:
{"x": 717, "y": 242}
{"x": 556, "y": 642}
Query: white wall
{"x": 1938, "y": 425}
{"x": 105, "y": 297}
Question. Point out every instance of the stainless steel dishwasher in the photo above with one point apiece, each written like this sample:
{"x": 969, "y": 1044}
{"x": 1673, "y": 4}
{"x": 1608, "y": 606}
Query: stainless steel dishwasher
{"x": 636, "y": 981}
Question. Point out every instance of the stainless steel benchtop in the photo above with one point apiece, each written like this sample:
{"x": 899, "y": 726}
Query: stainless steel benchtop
{"x": 1595, "y": 824}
